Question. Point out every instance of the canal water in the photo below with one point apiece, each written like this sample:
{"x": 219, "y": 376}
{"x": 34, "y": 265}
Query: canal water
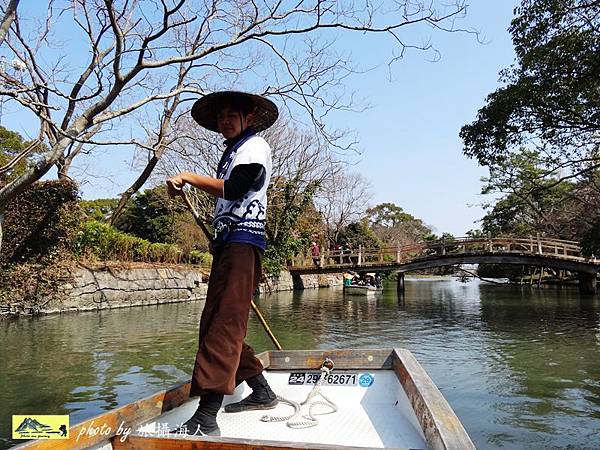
{"x": 520, "y": 366}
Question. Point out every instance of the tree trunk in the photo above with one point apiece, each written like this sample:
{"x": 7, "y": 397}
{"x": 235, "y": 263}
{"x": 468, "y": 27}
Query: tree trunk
{"x": 1, "y": 229}
{"x": 134, "y": 188}
{"x": 158, "y": 149}
{"x": 63, "y": 165}
{"x": 9, "y": 17}
{"x": 18, "y": 185}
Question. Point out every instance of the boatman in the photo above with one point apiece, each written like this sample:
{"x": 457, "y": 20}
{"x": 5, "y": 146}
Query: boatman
{"x": 224, "y": 360}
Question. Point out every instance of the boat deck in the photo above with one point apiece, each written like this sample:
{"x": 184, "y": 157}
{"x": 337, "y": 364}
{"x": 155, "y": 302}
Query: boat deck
{"x": 385, "y": 400}
{"x": 378, "y": 416}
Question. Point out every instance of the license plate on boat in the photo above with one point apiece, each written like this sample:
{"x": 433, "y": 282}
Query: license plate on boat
{"x": 333, "y": 379}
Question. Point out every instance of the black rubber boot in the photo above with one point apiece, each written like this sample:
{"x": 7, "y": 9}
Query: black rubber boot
{"x": 204, "y": 420}
{"x": 262, "y": 396}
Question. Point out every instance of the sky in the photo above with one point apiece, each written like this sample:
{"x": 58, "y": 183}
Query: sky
{"x": 411, "y": 150}
{"x": 409, "y": 146}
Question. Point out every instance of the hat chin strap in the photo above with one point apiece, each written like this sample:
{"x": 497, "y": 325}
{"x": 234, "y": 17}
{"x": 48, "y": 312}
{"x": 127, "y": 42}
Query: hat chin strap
{"x": 242, "y": 128}
{"x": 249, "y": 123}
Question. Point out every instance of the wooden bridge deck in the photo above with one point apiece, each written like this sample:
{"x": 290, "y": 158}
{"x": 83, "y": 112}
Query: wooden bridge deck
{"x": 537, "y": 251}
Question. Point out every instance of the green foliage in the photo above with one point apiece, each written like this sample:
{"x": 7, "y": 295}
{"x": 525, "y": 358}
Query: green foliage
{"x": 151, "y": 215}
{"x": 359, "y": 233}
{"x": 392, "y": 226}
{"x": 40, "y": 222}
{"x": 11, "y": 145}
{"x": 44, "y": 233}
{"x": 590, "y": 241}
{"x": 551, "y": 97}
{"x": 101, "y": 241}
{"x": 387, "y": 215}
{"x": 199, "y": 258}
{"x": 475, "y": 234}
{"x": 511, "y": 271}
{"x": 447, "y": 237}
{"x": 550, "y": 102}
{"x": 276, "y": 256}
{"x": 532, "y": 203}
{"x": 285, "y": 238}
{"x": 100, "y": 209}
{"x": 40, "y": 225}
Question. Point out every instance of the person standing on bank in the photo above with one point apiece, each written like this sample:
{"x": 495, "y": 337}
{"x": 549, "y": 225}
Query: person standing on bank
{"x": 224, "y": 360}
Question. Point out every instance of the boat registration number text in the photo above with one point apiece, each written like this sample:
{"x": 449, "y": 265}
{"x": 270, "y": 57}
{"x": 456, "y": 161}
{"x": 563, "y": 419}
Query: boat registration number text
{"x": 333, "y": 379}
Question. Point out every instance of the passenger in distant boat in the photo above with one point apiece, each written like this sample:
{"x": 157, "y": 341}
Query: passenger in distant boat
{"x": 348, "y": 279}
{"x": 360, "y": 279}
{"x": 224, "y": 360}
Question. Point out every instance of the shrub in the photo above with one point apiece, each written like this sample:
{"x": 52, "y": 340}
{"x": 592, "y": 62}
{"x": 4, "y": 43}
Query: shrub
{"x": 200, "y": 258}
{"x": 101, "y": 241}
{"x": 590, "y": 241}
{"x": 39, "y": 229}
{"x": 41, "y": 221}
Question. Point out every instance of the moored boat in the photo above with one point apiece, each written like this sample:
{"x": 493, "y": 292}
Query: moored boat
{"x": 362, "y": 290}
{"x": 379, "y": 398}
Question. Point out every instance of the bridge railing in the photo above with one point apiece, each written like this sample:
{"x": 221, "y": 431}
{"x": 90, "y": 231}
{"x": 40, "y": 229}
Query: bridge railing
{"x": 404, "y": 253}
{"x": 532, "y": 245}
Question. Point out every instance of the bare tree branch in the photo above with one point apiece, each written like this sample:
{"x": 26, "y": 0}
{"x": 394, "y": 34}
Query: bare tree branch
{"x": 145, "y": 53}
{"x": 344, "y": 199}
{"x": 19, "y": 157}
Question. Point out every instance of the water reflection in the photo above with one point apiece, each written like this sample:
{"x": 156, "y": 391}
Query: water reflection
{"x": 520, "y": 366}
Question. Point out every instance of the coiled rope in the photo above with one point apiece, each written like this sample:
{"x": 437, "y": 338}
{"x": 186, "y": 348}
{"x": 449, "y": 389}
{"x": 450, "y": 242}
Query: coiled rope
{"x": 297, "y": 420}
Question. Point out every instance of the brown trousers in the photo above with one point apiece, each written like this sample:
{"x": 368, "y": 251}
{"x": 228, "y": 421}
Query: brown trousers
{"x": 224, "y": 360}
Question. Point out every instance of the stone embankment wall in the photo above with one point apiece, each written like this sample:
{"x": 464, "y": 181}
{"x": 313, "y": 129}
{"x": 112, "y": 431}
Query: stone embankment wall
{"x": 116, "y": 287}
{"x": 288, "y": 282}
{"x": 108, "y": 287}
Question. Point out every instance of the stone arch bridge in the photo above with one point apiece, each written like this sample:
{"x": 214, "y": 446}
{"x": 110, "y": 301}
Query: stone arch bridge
{"x": 535, "y": 251}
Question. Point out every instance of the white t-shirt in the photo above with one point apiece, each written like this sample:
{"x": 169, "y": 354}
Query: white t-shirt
{"x": 243, "y": 220}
